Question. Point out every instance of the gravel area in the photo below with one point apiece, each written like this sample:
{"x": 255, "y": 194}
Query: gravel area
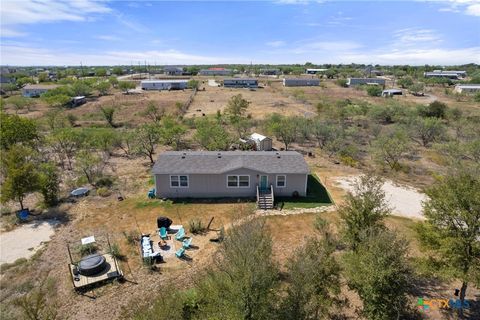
{"x": 404, "y": 200}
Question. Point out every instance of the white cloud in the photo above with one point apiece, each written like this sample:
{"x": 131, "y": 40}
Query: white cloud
{"x": 24, "y": 55}
{"x": 276, "y": 44}
{"x": 16, "y": 13}
{"x": 469, "y": 7}
{"x": 326, "y": 46}
{"x": 415, "y": 36}
{"x": 107, "y": 38}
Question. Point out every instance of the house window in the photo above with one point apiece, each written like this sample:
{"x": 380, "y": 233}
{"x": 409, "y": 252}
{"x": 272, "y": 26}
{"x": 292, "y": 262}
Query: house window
{"x": 238, "y": 181}
{"x": 281, "y": 181}
{"x": 178, "y": 181}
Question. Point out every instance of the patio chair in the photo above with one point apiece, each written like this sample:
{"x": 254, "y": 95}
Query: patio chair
{"x": 162, "y": 232}
{"x": 180, "y": 253}
{"x": 186, "y": 243}
{"x": 180, "y": 234}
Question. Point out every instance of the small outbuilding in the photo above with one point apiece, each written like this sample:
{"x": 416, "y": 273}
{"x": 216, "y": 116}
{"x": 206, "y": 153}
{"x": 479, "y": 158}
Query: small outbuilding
{"x": 173, "y": 71}
{"x": 391, "y": 92}
{"x": 301, "y": 82}
{"x": 261, "y": 142}
{"x": 315, "y": 71}
{"x": 365, "y": 81}
{"x": 164, "y": 84}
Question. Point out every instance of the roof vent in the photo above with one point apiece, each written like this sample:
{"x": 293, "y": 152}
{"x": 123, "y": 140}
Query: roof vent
{"x": 219, "y": 155}
{"x": 278, "y": 155}
{"x": 183, "y": 155}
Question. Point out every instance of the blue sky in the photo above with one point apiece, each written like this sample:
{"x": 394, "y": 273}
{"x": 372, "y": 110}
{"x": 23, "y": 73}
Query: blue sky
{"x": 35, "y": 32}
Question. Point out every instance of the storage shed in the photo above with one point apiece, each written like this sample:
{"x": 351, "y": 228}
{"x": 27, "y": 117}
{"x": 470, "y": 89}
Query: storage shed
{"x": 467, "y": 88}
{"x": 164, "y": 84}
{"x": 300, "y": 82}
{"x": 360, "y": 81}
{"x": 261, "y": 142}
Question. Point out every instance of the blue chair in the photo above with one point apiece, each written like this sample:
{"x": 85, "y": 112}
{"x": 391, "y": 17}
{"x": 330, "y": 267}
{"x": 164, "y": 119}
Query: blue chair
{"x": 186, "y": 243}
{"x": 151, "y": 193}
{"x": 180, "y": 253}
{"x": 162, "y": 232}
{"x": 180, "y": 234}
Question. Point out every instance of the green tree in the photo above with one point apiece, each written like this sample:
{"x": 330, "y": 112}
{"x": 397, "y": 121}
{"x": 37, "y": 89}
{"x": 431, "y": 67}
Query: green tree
{"x": 19, "y": 102}
{"x": 416, "y": 88}
{"x": 435, "y": 109}
{"x": 108, "y": 113}
{"x": 341, "y": 83}
{"x": 57, "y": 101}
{"x": 390, "y": 148}
{"x": 171, "y": 132}
{"x": 153, "y": 112}
{"x": 211, "y": 135}
{"x": 313, "y": 282}
{"x": 81, "y": 88}
{"x": 65, "y": 142}
{"x": 242, "y": 283}
{"x": 427, "y": 130}
{"x": 91, "y": 165}
{"x": 452, "y": 227}
{"x": 379, "y": 272}
{"x": 43, "y": 77}
{"x": 282, "y": 128}
{"x": 193, "y": 84}
{"x": 21, "y": 174}
{"x": 17, "y": 130}
{"x": 125, "y": 86}
{"x": 113, "y": 81}
{"x": 405, "y": 82}
{"x": 101, "y": 72}
{"x": 363, "y": 209}
{"x": 103, "y": 87}
{"x": 118, "y": 71}
{"x": 147, "y": 139}
{"x": 49, "y": 183}
{"x": 236, "y": 107}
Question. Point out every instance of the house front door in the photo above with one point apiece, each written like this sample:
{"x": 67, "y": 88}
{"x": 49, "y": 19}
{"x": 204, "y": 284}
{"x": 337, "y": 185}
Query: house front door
{"x": 263, "y": 183}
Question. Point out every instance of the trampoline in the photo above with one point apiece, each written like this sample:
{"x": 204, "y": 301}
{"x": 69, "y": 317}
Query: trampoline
{"x": 92, "y": 264}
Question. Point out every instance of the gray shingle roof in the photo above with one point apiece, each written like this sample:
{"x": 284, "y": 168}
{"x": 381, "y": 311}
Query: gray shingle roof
{"x": 209, "y": 162}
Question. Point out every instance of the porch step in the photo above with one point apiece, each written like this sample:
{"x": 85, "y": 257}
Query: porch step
{"x": 265, "y": 202}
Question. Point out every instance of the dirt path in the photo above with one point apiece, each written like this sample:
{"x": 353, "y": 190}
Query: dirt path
{"x": 24, "y": 241}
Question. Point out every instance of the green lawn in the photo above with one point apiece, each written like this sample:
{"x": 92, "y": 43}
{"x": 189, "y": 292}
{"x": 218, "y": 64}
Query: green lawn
{"x": 317, "y": 196}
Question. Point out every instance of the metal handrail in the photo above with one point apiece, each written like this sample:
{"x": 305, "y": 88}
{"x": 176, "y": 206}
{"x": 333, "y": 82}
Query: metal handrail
{"x": 258, "y": 196}
{"x": 271, "y": 190}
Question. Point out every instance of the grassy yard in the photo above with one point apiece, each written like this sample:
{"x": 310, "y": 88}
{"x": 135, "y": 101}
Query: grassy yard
{"x": 317, "y": 196}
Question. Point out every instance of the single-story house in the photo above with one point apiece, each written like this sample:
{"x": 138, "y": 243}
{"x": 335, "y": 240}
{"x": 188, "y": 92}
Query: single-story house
{"x": 368, "y": 81}
{"x": 36, "y": 90}
{"x": 215, "y": 72}
{"x": 442, "y": 74}
{"x": 261, "y": 142}
{"x": 240, "y": 83}
{"x": 173, "y": 71}
{"x": 314, "y": 71}
{"x": 392, "y": 92}
{"x": 467, "y": 88}
{"x": 460, "y": 73}
{"x": 300, "y": 82}
{"x": 178, "y": 84}
{"x": 229, "y": 174}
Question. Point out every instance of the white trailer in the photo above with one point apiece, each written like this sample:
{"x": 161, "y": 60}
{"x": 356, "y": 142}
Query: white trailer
{"x": 164, "y": 84}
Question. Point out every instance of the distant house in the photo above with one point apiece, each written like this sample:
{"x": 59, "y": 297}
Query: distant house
{"x": 467, "y": 88}
{"x": 240, "y": 83}
{"x": 164, "y": 84}
{"x": 452, "y": 75}
{"x": 315, "y": 71}
{"x": 368, "y": 81}
{"x": 459, "y": 73}
{"x": 391, "y": 92}
{"x": 300, "y": 82}
{"x": 270, "y": 72}
{"x": 36, "y": 90}
{"x": 369, "y": 71}
{"x": 173, "y": 71}
{"x": 230, "y": 174}
{"x": 215, "y": 72}
{"x": 261, "y": 142}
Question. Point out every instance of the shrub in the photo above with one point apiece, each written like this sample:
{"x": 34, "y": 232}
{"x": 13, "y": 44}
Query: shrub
{"x": 86, "y": 249}
{"x": 196, "y": 226}
{"x": 374, "y": 91}
{"x": 106, "y": 182}
{"x": 349, "y": 161}
{"x": 477, "y": 97}
{"x": 115, "y": 252}
{"x": 341, "y": 83}
{"x": 131, "y": 237}
{"x": 103, "y": 192}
